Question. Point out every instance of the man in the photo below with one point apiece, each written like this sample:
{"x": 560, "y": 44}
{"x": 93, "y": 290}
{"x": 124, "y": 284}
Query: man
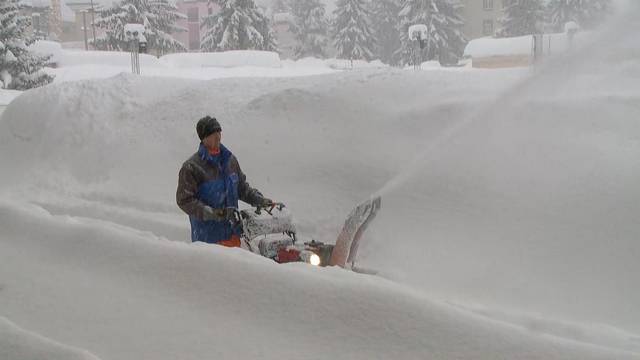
{"x": 211, "y": 182}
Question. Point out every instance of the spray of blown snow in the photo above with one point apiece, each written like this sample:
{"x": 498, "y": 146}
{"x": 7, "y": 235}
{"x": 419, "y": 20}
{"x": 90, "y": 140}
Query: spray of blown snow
{"x": 513, "y": 207}
{"x": 553, "y": 71}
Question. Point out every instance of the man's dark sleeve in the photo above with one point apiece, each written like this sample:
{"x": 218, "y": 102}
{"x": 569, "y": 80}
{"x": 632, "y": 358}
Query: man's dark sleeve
{"x": 246, "y": 193}
{"x": 186, "y": 193}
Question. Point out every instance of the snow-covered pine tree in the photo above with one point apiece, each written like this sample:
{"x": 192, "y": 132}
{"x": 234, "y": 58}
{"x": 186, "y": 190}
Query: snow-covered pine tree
{"x": 587, "y": 13}
{"x": 385, "y": 25}
{"x": 310, "y": 28}
{"x": 158, "y": 16}
{"x": 239, "y": 25}
{"x": 521, "y": 17}
{"x": 19, "y": 68}
{"x": 352, "y": 33}
{"x": 444, "y": 20}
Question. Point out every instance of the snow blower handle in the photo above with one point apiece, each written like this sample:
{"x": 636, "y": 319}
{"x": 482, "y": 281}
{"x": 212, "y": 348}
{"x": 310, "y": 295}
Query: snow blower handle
{"x": 269, "y": 208}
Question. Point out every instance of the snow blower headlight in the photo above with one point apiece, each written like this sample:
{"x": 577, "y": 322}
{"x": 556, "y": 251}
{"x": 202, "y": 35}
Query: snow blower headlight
{"x": 314, "y": 260}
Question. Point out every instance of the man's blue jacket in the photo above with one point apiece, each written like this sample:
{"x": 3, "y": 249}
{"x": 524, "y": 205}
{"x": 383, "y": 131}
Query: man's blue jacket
{"x": 216, "y": 181}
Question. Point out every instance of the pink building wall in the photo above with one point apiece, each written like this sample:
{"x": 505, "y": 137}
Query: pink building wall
{"x": 195, "y": 11}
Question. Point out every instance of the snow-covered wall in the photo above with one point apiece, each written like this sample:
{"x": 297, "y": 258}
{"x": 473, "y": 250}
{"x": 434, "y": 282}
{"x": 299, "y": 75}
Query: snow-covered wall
{"x": 224, "y": 59}
{"x": 522, "y": 45}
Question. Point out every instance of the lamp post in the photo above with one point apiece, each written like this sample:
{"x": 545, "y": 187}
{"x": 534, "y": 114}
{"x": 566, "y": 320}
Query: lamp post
{"x": 93, "y": 23}
{"x": 84, "y": 29}
{"x": 419, "y": 33}
{"x": 134, "y": 34}
{"x": 571, "y": 28}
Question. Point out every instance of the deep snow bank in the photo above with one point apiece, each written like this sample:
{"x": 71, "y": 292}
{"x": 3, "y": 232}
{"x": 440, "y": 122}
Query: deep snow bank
{"x": 123, "y": 294}
{"x": 6, "y": 96}
{"x": 313, "y": 143}
{"x": 509, "y": 208}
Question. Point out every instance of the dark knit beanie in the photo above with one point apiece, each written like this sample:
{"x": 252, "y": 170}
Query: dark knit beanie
{"x": 207, "y": 126}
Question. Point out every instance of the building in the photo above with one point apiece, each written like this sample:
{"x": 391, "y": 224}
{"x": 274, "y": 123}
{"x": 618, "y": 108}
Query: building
{"x": 282, "y": 29}
{"x": 196, "y": 11}
{"x": 482, "y": 17}
{"x": 83, "y": 31}
{"x": 40, "y": 13}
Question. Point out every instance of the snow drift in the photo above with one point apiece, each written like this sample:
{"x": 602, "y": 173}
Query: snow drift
{"x": 128, "y": 295}
{"x": 510, "y": 195}
{"x": 16, "y": 343}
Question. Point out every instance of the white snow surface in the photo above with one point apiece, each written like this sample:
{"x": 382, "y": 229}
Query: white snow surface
{"x": 16, "y": 343}
{"x": 7, "y": 96}
{"x": 508, "y": 228}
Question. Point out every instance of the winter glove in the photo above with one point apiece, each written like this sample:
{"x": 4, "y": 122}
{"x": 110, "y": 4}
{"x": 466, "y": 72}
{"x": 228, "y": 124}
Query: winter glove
{"x": 265, "y": 203}
{"x": 211, "y": 214}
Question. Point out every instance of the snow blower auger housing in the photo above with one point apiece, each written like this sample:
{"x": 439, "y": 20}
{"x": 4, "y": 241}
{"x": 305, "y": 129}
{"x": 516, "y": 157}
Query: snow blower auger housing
{"x": 271, "y": 233}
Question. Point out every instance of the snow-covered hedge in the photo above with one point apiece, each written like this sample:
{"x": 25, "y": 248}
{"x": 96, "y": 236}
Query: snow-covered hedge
{"x": 225, "y": 59}
{"x": 67, "y": 57}
{"x": 337, "y": 64}
{"x": 521, "y": 45}
{"x": 109, "y": 58}
{"x": 44, "y": 47}
{"x": 487, "y": 46}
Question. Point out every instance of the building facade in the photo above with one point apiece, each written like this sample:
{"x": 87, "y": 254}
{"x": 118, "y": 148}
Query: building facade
{"x": 196, "y": 11}
{"x": 482, "y": 17}
{"x": 282, "y": 29}
{"x": 83, "y": 32}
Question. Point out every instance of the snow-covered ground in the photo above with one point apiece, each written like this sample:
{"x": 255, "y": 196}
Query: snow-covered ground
{"x": 508, "y": 228}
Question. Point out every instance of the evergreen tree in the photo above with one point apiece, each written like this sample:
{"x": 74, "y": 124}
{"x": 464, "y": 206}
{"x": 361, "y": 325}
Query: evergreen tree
{"x": 352, "y": 34}
{"x": 587, "y": 13}
{"x": 239, "y": 25}
{"x": 445, "y": 41}
{"x": 521, "y": 17}
{"x": 310, "y": 28}
{"x": 158, "y": 16}
{"x": 19, "y": 68}
{"x": 385, "y": 24}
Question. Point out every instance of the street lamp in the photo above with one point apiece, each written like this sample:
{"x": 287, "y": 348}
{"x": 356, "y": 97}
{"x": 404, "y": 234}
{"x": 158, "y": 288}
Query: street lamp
{"x": 419, "y": 33}
{"x": 134, "y": 35}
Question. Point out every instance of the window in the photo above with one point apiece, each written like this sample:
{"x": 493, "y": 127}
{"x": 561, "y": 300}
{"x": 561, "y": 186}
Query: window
{"x": 487, "y": 28}
{"x": 35, "y": 21}
{"x": 192, "y": 15}
{"x": 487, "y": 4}
{"x": 194, "y": 36}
